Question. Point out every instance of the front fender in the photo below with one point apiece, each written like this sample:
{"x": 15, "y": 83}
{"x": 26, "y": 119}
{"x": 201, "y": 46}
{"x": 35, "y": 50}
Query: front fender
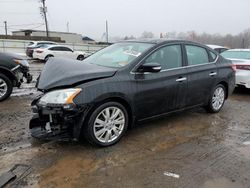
{"x": 9, "y": 74}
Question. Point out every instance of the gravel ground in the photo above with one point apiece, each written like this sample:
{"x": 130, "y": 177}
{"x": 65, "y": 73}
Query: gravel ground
{"x": 188, "y": 149}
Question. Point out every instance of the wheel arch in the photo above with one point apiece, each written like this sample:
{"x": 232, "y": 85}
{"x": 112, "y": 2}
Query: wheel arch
{"x": 49, "y": 55}
{"x": 119, "y": 99}
{"x": 80, "y": 55}
{"x": 9, "y": 74}
{"x": 225, "y": 84}
{"x": 91, "y": 109}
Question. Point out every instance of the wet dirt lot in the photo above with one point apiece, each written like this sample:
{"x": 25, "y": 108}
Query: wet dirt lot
{"x": 188, "y": 149}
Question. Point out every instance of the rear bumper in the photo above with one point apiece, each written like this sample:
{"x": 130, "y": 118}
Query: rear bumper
{"x": 243, "y": 78}
{"x": 57, "y": 123}
{"x": 38, "y": 56}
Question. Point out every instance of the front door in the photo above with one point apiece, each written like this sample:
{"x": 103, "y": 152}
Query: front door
{"x": 165, "y": 91}
{"x": 68, "y": 53}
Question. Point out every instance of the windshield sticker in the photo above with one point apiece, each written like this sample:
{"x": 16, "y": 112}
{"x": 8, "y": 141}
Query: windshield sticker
{"x": 123, "y": 63}
{"x": 132, "y": 53}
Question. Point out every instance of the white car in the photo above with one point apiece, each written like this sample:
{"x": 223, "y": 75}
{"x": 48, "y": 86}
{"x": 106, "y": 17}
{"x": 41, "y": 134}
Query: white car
{"x": 241, "y": 59}
{"x": 37, "y": 44}
{"x": 46, "y": 52}
{"x": 217, "y": 48}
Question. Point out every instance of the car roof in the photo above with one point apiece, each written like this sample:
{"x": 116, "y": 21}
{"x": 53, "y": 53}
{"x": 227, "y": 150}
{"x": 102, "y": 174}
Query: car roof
{"x": 162, "y": 41}
{"x": 154, "y": 40}
{"x": 43, "y": 42}
{"x": 56, "y": 45}
{"x": 215, "y": 46}
{"x": 239, "y": 50}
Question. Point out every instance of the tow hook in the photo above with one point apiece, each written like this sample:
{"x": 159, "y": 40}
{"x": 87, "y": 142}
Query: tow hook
{"x": 47, "y": 126}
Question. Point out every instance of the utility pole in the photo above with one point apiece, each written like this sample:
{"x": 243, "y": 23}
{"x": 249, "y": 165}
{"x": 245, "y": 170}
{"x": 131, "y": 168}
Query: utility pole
{"x": 243, "y": 43}
{"x": 68, "y": 27}
{"x": 44, "y": 12}
{"x": 5, "y": 25}
{"x": 107, "y": 33}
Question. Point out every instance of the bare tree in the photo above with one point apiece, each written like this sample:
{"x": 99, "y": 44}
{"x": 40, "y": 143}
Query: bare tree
{"x": 242, "y": 40}
{"x": 147, "y": 34}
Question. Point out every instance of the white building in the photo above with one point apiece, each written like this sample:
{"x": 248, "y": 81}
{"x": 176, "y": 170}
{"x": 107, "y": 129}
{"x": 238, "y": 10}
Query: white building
{"x": 65, "y": 36}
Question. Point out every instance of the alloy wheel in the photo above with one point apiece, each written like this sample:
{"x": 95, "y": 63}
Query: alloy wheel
{"x": 218, "y": 98}
{"x": 109, "y": 124}
{"x": 3, "y": 87}
{"x": 80, "y": 58}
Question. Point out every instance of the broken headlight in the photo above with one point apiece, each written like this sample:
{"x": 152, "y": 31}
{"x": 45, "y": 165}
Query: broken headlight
{"x": 59, "y": 97}
{"x": 22, "y": 62}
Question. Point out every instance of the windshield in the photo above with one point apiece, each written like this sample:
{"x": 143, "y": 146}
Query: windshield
{"x": 118, "y": 55}
{"x": 236, "y": 54}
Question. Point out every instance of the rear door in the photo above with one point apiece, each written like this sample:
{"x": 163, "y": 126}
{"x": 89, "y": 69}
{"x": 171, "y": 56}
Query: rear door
{"x": 202, "y": 74}
{"x": 55, "y": 51}
{"x": 67, "y": 52}
{"x": 165, "y": 91}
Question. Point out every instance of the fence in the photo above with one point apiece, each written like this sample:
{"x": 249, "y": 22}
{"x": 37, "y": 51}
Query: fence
{"x": 19, "y": 46}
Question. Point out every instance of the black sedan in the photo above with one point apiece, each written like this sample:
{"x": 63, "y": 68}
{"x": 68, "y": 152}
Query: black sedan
{"x": 13, "y": 69}
{"x": 125, "y": 83}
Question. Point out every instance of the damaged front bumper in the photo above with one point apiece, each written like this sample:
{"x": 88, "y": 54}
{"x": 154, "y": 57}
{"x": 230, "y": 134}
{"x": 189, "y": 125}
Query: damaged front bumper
{"x": 57, "y": 122}
{"x": 21, "y": 72}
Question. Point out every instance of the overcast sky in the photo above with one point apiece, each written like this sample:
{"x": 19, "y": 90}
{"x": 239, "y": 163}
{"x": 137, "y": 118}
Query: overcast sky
{"x": 129, "y": 17}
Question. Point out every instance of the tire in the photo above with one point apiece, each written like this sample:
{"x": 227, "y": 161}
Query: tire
{"x": 47, "y": 57}
{"x": 80, "y": 57}
{"x": 103, "y": 132}
{"x": 217, "y": 99}
{"x": 6, "y": 87}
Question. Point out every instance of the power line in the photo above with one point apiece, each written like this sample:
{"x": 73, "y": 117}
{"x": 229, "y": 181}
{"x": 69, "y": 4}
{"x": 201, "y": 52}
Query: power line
{"x": 19, "y": 13}
{"x": 27, "y": 24}
{"x": 21, "y": 25}
{"x": 15, "y": 28}
{"x": 14, "y": 1}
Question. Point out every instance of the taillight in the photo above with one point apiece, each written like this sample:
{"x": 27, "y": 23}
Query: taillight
{"x": 39, "y": 51}
{"x": 243, "y": 67}
{"x": 233, "y": 67}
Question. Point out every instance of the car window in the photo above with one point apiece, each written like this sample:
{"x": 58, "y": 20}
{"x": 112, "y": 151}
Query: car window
{"x": 45, "y": 43}
{"x": 168, "y": 57}
{"x": 39, "y": 43}
{"x": 55, "y": 48}
{"x": 236, "y": 54}
{"x": 30, "y": 43}
{"x": 65, "y": 49}
{"x": 213, "y": 56}
{"x": 196, "y": 55}
{"x": 119, "y": 54}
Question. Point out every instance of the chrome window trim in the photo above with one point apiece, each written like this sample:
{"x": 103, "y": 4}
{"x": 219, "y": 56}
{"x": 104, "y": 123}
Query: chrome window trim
{"x": 132, "y": 72}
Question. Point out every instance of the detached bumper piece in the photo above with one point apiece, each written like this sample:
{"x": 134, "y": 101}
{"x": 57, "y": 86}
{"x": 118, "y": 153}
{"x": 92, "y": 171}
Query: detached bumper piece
{"x": 56, "y": 123}
{"x": 47, "y": 131}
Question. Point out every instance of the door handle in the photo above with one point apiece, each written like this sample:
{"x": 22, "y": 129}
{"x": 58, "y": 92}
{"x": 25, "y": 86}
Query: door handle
{"x": 181, "y": 79}
{"x": 213, "y": 74}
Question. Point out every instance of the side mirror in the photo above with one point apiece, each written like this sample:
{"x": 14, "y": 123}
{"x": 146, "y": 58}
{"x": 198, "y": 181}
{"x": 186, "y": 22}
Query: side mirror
{"x": 149, "y": 67}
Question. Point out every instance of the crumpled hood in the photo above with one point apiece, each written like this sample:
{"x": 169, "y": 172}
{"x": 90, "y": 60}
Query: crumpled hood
{"x": 60, "y": 72}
